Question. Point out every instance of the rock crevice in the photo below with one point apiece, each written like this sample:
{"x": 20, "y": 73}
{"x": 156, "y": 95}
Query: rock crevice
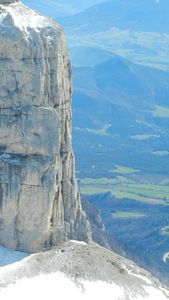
{"x": 39, "y": 199}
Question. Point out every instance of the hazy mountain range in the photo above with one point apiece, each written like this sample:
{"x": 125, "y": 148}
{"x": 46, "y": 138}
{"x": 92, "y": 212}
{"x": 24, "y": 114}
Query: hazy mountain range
{"x": 135, "y": 15}
{"x": 137, "y": 30}
{"x": 60, "y": 8}
{"x": 119, "y": 116}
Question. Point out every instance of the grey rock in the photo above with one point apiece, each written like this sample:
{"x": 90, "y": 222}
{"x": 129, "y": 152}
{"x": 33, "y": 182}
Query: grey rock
{"x": 39, "y": 198}
{"x": 8, "y": 1}
{"x": 99, "y": 234}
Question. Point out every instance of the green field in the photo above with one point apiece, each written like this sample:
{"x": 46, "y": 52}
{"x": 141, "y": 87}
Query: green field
{"x": 127, "y": 215}
{"x": 165, "y": 231}
{"x": 124, "y": 170}
{"x": 101, "y": 131}
{"x": 161, "y": 112}
{"x": 128, "y": 44}
{"x": 161, "y": 153}
{"x": 124, "y": 187}
{"x": 143, "y": 137}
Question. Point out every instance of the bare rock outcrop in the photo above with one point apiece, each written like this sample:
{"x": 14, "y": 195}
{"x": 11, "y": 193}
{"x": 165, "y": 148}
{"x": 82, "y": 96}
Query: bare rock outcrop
{"x": 39, "y": 199}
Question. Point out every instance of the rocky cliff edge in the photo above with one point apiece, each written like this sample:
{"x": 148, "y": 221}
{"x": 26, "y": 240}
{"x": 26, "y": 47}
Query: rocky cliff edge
{"x": 39, "y": 199}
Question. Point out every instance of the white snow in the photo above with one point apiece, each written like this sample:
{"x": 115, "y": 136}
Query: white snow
{"x": 153, "y": 294}
{"x": 47, "y": 286}
{"x": 130, "y": 272}
{"x": 58, "y": 285}
{"x": 165, "y": 257}
{"x": 78, "y": 242}
{"x": 23, "y": 17}
{"x": 148, "y": 281}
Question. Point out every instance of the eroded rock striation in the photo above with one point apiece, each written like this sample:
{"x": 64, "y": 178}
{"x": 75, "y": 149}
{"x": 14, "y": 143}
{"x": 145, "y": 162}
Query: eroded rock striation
{"x": 39, "y": 199}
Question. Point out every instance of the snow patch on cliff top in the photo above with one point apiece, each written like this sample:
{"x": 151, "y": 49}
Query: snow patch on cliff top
{"x": 23, "y": 17}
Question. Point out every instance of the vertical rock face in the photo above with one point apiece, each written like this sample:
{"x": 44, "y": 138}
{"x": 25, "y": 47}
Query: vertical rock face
{"x": 39, "y": 198}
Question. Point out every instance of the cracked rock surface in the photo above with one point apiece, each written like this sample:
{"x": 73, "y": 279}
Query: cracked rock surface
{"x": 39, "y": 199}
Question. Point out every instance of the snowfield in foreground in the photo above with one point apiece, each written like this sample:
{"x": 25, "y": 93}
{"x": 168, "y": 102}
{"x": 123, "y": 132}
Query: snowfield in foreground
{"x": 78, "y": 270}
{"x": 57, "y": 284}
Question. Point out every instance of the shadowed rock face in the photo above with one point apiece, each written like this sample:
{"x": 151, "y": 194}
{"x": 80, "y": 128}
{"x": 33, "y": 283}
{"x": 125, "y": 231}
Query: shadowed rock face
{"x": 39, "y": 199}
{"x": 7, "y": 1}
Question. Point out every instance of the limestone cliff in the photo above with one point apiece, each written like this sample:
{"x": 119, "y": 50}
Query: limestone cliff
{"x": 39, "y": 199}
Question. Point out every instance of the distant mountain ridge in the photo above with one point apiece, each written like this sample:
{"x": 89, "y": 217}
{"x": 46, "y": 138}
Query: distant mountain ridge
{"x": 135, "y": 29}
{"x": 115, "y": 105}
{"x": 136, "y": 15}
{"x": 89, "y": 56}
{"x": 60, "y": 8}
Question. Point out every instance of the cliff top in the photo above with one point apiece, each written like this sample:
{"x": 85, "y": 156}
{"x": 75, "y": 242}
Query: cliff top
{"x": 24, "y": 18}
{"x": 42, "y": 208}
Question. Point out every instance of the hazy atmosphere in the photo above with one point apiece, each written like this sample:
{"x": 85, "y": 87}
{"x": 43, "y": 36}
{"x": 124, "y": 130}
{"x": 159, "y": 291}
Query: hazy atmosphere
{"x": 119, "y": 56}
